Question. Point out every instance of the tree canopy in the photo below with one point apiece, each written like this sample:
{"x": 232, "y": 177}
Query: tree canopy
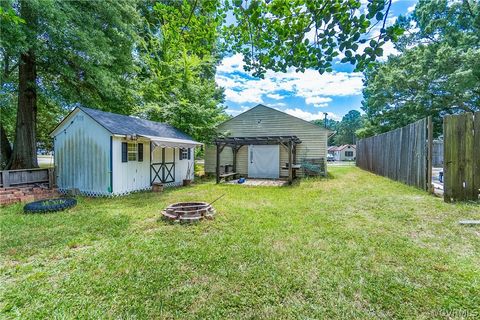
{"x": 57, "y": 54}
{"x": 178, "y": 54}
{"x": 345, "y": 130}
{"x": 436, "y": 73}
{"x": 151, "y": 58}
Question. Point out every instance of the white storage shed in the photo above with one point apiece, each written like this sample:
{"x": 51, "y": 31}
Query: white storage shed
{"x": 102, "y": 153}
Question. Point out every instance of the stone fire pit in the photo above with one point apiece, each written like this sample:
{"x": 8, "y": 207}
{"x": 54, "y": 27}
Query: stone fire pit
{"x": 188, "y": 211}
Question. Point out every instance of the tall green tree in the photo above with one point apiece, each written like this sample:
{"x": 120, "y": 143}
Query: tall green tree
{"x": 303, "y": 34}
{"x": 331, "y": 125}
{"x": 436, "y": 73}
{"x": 347, "y": 128}
{"x": 178, "y": 54}
{"x": 65, "y": 53}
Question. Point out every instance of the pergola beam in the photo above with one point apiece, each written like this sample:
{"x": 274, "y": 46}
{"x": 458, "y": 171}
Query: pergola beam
{"x": 265, "y": 140}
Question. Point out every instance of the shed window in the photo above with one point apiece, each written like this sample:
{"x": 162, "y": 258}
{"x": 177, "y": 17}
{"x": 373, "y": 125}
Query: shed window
{"x": 124, "y": 152}
{"x": 348, "y": 153}
{"x": 140, "y": 152}
{"x": 185, "y": 153}
{"x": 132, "y": 151}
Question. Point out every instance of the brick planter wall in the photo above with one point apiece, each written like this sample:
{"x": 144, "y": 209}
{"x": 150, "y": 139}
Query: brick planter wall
{"x": 26, "y": 194}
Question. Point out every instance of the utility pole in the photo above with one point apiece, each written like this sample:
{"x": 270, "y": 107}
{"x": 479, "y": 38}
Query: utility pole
{"x": 325, "y": 121}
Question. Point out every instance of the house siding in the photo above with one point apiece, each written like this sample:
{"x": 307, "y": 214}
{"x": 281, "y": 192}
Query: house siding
{"x": 264, "y": 121}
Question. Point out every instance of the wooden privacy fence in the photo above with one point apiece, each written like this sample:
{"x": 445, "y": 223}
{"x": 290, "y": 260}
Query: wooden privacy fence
{"x": 402, "y": 154}
{"x": 23, "y": 177}
{"x": 462, "y": 157}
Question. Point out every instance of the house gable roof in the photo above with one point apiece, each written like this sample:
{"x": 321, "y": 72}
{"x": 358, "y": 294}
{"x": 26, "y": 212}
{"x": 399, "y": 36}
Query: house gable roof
{"x": 340, "y": 148}
{"x": 279, "y": 112}
{"x": 126, "y": 125}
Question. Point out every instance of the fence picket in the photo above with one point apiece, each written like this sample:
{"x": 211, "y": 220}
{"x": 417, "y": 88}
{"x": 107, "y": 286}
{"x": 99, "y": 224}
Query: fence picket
{"x": 461, "y": 157}
{"x": 476, "y": 156}
{"x": 400, "y": 154}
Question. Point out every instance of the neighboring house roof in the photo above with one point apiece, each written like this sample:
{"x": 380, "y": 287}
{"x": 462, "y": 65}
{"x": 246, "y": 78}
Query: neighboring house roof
{"x": 126, "y": 125}
{"x": 335, "y": 148}
{"x": 346, "y": 146}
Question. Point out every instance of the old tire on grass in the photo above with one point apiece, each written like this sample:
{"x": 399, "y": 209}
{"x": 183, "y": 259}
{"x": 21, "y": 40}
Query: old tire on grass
{"x": 51, "y": 205}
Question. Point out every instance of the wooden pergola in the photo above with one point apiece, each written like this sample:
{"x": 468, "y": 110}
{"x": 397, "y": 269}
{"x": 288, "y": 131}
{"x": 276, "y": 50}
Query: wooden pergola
{"x": 288, "y": 142}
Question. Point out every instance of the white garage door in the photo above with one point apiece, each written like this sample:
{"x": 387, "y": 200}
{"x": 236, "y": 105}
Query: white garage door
{"x": 264, "y": 161}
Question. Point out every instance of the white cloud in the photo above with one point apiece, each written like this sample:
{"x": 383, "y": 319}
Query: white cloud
{"x": 316, "y": 89}
{"x": 251, "y": 94}
{"x": 232, "y": 63}
{"x": 274, "y": 96}
{"x": 334, "y": 116}
{"x": 309, "y": 116}
{"x": 318, "y": 101}
{"x": 411, "y": 8}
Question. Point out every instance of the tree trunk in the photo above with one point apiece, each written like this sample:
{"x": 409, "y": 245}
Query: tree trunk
{"x": 25, "y": 149}
{"x": 5, "y": 148}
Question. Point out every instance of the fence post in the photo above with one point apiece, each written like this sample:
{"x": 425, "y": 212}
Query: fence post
{"x": 459, "y": 161}
{"x": 429, "y": 154}
{"x": 476, "y": 155}
{"x": 447, "y": 191}
{"x": 6, "y": 178}
{"x": 51, "y": 181}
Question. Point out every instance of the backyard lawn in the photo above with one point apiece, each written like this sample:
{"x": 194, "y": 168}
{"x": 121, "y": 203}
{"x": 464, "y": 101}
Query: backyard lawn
{"x": 352, "y": 246}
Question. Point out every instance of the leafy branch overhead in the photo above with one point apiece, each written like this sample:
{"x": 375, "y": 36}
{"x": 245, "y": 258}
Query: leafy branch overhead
{"x": 277, "y": 34}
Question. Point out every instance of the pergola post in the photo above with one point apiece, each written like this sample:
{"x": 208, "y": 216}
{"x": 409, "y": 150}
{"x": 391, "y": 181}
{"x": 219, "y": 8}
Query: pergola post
{"x": 295, "y": 159}
{"x": 217, "y": 168}
{"x": 290, "y": 158}
{"x": 234, "y": 151}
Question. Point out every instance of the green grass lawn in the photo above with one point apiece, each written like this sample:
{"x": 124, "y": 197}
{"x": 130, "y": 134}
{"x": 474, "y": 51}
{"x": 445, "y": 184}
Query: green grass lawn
{"x": 352, "y": 246}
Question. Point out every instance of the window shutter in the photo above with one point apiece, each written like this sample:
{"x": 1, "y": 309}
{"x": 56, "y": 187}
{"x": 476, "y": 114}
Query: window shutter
{"x": 124, "y": 152}
{"x": 140, "y": 152}
{"x": 189, "y": 153}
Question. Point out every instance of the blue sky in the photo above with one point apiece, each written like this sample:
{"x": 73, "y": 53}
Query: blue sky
{"x": 305, "y": 95}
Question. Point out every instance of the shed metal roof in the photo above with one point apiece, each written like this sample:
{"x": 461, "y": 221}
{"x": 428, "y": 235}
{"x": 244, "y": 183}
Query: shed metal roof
{"x": 126, "y": 125}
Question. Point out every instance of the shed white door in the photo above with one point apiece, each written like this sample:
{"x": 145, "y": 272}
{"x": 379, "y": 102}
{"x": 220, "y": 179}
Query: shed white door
{"x": 264, "y": 161}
